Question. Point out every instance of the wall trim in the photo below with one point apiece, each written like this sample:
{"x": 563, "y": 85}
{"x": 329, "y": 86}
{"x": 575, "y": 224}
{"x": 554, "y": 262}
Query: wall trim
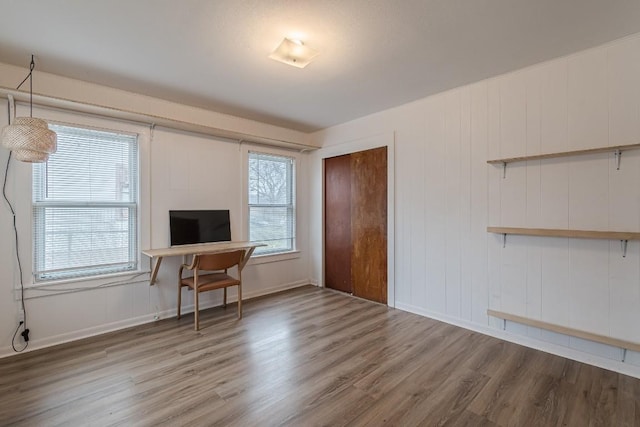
{"x": 555, "y": 349}
{"x": 39, "y": 344}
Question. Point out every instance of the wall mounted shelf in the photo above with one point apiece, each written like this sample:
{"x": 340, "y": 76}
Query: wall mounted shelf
{"x": 615, "y": 342}
{"x": 554, "y": 232}
{"x": 617, "y": 150}
{"x": 623, "y": 236}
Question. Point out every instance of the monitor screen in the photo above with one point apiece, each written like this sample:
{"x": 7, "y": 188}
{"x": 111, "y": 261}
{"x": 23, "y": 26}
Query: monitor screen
{"x": 202, "y": 226}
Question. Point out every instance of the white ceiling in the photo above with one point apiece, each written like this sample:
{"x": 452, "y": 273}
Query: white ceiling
{"x": 374, "y": 54}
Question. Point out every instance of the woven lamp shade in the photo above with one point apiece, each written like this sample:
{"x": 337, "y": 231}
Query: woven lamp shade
{"x": 30, "y": 139}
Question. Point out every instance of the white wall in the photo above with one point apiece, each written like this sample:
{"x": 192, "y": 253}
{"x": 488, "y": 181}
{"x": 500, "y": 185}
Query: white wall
{"x": 178, "y": 171}
{"x": 448, "y": 267}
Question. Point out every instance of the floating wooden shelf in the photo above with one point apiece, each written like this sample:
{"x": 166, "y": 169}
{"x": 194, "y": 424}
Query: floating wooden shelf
{"x": 626, "y": 345}
{"x": 553, "y": 232}
{"x": 616, "y": 149}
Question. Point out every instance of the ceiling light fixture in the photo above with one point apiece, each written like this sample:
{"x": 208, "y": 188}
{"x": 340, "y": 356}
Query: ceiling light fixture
{"x": 27, "y": 137}
{"x": 294, "y": 52}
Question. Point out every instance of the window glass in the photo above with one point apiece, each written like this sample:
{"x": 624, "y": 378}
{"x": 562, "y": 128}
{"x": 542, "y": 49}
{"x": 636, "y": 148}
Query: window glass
{"x": 271, "y": 202}
{"x": 85, "y": 205}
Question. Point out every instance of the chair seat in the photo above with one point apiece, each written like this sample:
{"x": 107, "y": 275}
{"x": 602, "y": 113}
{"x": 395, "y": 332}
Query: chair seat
{"x": 207, "y": 282}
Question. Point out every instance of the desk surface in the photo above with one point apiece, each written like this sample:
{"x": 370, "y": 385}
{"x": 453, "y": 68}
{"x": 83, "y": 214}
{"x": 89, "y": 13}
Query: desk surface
{"x": 203, "y": 248}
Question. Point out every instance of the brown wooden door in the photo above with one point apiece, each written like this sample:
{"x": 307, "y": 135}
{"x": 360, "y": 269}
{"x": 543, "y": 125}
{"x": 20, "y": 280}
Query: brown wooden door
{"x": 356, "y": 224}
{"x": 369, "y": 224}
{"x": 337, "y": 214}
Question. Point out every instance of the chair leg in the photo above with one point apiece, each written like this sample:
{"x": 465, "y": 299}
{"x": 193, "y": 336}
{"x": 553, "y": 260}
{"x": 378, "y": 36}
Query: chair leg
{"x": 179, "y": 298}
{"x": 196, "y": 311}
{"x": 240, "y": 301}
{"x": 224, "y": 301}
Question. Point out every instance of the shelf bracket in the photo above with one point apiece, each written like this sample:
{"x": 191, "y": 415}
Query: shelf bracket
{"x": 623, "y": 245}
{"x": 504, "y": 240}
{"x": 618, "y": 155}
{"x": 504, "y": 170}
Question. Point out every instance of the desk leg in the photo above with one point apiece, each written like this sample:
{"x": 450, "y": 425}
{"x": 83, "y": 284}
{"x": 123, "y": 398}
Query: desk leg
{"x": 154, "y": 274}
{"x": 246, "y": 257}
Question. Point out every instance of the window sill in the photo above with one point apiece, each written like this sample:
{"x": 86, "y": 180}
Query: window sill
{"x": 267, "y": 258}
{"x": 90, "y": 282}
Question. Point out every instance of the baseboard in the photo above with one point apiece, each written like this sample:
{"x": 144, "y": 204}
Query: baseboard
{"x": 38, "y": 344}
{"x": 558, "y": 350}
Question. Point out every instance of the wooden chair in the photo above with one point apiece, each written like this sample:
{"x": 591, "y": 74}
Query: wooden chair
{"x": 220, "y": 263}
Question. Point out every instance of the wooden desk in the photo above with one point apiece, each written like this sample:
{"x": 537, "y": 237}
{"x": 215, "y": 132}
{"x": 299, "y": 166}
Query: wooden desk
{"x": 204, "y": 248}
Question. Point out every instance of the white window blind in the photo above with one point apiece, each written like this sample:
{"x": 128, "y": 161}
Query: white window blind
{"x": 271, "y": 202}
{"x": 85, "y": 205}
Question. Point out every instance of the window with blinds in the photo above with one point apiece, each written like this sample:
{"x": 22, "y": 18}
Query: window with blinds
{"x": 271, "y": 202}
{"x": 85, "y": 205}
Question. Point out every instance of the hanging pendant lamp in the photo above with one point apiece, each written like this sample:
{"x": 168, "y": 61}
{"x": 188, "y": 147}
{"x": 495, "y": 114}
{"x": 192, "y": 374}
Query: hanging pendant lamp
{"x": 29, "y": 138}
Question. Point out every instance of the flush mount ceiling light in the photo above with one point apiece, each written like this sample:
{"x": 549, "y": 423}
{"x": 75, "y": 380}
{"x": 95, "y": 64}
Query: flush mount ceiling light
{"x": 294, "y": 52}
{"x": 27, "y": 137}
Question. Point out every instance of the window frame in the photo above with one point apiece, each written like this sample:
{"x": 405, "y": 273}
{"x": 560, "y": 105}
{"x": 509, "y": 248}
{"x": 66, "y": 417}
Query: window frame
{"x": 41, "y": 201}
{"x": 143, "y": 232}
{"x": 257, "y": 257}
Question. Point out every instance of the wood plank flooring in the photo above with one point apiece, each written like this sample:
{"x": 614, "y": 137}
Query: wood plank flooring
{"x": 308, "y": 357}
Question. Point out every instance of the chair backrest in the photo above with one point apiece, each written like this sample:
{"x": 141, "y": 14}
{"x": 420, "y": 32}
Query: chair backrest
{"x": 219, "y": 261}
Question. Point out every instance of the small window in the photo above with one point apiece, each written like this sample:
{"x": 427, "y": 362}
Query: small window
{"x": 85, "y": 205}
{"x": 271, "y": 202}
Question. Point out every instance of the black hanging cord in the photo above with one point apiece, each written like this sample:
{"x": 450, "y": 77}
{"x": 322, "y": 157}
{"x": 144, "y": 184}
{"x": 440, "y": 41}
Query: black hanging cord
{"x": 23, "y": 322}
{"x": 25, "y": 333}
{"x": 32, "y": 66}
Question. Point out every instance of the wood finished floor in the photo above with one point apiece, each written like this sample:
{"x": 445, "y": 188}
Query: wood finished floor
{"x": 308, "y": 357}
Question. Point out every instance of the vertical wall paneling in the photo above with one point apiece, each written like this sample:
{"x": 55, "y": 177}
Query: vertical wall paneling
{"x": 533, "y": 215}
{"x": 554, "y": 173}
{"x": 178, "y": 179}
{"x": 553, "y": 107}
{"x": 465, "y": 204}
{"x": 535, "y": 246}
{"x": 435, "y": 205}
{"x": 589, "y": 285}
{"x": 624, "y": 288}
{"x": 513, "y": 126}
{"x": 453, "y": 187}
{"x": 587, "y": 100}
{"x": 479, "y": 204}
{"x": 513, "y": 197}
{"x": 513, "y": 115}
{"x": 589, "y": 192}
{"x": 495, "y": 248}
{"x": 555, "y": 281}
{"x": 403, "y": 229}
{"x": 415, "y": 138}
{"x": 623, "y": 83}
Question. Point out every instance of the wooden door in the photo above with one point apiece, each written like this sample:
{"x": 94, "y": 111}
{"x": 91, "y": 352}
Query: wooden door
{"x": 337, "y": 214}
{"x": 369, "y": 224}
{"x": 356, "y": 224}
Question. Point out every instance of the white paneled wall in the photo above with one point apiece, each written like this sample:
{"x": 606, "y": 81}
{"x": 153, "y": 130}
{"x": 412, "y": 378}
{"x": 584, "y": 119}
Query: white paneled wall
{"x": 449, "y": 267}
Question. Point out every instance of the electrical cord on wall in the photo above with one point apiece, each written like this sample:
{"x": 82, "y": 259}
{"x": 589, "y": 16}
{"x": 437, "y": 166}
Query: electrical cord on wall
{"x": 23, "y": 321}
